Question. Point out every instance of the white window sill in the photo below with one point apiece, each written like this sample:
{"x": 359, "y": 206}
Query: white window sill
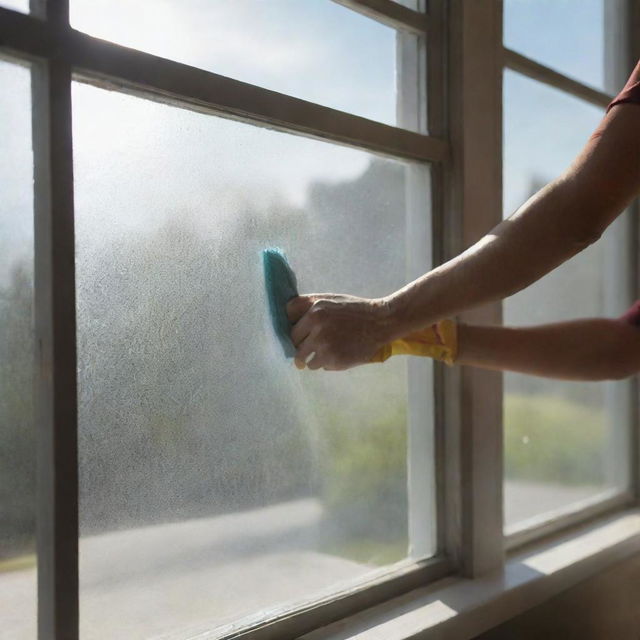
{"x": 457, "y": 609}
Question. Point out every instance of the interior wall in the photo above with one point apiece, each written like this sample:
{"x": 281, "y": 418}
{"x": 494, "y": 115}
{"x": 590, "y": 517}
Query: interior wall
{"x": 604, "y": 607}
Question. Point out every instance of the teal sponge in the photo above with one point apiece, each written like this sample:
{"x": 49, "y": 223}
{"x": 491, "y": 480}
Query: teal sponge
{"x": 281, "y": 285}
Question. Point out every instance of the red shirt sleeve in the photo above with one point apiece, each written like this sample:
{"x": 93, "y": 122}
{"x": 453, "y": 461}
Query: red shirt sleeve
{"x": 631, "y": 90}
{"x": 632, "y": 316}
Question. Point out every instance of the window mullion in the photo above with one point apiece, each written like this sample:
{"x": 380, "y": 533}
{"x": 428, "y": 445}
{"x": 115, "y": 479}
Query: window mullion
{"x": 632, "y": 56}
{"x": 110, "y": 65}
{"x": 473, "y": 410}
{"x": 55, "y": 323}
{"x": 619, "y": 257}
{"x": 540, "y": 72}
{"x": 390, "y": 13}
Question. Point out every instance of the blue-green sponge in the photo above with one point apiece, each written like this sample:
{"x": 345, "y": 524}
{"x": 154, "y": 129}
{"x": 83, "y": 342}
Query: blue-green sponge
{"x": 281, "y": 285}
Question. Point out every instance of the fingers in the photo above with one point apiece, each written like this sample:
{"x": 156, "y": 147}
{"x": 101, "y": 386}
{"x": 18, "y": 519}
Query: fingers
{"x": 301, "y": 330}
{"x": 298, "y": 306}
{"x": 305, "y": 355}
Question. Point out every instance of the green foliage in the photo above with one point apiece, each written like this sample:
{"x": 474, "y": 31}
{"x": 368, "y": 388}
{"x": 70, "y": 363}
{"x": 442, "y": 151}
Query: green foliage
{"x": 365, "y": 488}
{"x": 552, "y": 439}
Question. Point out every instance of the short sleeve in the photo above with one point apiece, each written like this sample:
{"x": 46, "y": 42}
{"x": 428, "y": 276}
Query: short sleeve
{"x": 632, "y": 316}
{"x": 631, "y": 90}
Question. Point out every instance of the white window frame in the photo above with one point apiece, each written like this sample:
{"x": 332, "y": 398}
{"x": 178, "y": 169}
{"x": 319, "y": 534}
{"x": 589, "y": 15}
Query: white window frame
{"x": 465, "y": 61}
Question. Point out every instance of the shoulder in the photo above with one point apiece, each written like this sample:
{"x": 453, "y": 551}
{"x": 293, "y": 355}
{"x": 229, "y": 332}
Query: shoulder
{"x": 631, "y": 91}
{"x": 632, "y": 315}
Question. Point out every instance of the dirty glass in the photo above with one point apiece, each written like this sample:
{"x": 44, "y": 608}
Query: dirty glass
{"x": 565, "y": 442}
{"x": 17, "y": 429}
{"x": 216, "y": 480}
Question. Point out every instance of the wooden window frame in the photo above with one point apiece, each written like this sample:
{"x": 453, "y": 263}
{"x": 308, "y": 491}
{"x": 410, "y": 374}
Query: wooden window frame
{"x": 465, "y": 61}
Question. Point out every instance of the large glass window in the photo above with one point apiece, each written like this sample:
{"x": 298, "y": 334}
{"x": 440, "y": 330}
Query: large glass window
{"x": 17, "y": 432}
{"x": 217, "y": 480}
{"x": 565, "y": 442}
{"x": 316, "y": 50}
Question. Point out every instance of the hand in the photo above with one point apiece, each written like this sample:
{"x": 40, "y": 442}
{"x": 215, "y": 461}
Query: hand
{"x": 335, "y": 332}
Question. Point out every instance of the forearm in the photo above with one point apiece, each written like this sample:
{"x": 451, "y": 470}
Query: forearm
{"x": 593, "y": 349}
{"x": 555, "y": 224}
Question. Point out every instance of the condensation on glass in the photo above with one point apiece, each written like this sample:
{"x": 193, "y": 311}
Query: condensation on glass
{"x": 565, "y": 442}
{"x": 575, "y": 37}
{"x": 17, "y": 430}
{"x": 216, "y": 480}
{"x": 316, "y": 50}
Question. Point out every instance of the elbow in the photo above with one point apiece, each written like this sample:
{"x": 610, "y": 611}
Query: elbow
{"x": 616, "y": 355}
{"x": 585, "y": 237}
{"x": 607, "y": 372}
{"x": 621, "y": 371}
{"x": 619, "y": 365}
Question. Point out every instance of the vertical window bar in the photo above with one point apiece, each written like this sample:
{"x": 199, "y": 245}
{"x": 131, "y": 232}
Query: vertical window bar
{"x": 411, "y": 108}
{"x": 55, "y": 325}
{"x": 633, "y": 55}
{"x": 619, "y": 256}
{"x": 437, "y": 41}
{"x": 476, "y": 201}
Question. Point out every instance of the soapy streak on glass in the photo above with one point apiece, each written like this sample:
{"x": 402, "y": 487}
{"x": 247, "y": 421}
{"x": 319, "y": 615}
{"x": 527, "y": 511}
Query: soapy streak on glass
{"x": 562, "y": 439}
{"x": 210, "y": 467}
{"x": 316, "y": 50}
{"x": 18, "y": 596}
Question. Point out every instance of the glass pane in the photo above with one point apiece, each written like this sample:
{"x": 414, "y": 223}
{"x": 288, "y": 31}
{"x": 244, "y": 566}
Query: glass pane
{"x": 416, "y": 5}
{"x": 316, "y": 50}
{"x": 564, "y": 441}
{"x": 567, "y": 35}
{"x": 17, "y": 430}
{"x": 217, "y": 481}
{"x": 17, "y": 5}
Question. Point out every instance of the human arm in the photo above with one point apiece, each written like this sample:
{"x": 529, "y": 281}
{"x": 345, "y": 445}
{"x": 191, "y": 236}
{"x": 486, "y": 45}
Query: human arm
{"x": 590, "y": 349}
{"x": 558, "y": 222}
{"x": 552, "y": 226}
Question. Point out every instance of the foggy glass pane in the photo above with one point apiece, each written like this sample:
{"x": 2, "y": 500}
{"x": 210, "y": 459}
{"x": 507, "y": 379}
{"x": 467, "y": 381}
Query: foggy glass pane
{"x": 567, "y": 35}
{"x": 17, "y": 432}
{"x": 316, "y": 50}
{"x": 564, "y": 441}
{"x": 17, "y": 5}
{"x": 216, "y": 480}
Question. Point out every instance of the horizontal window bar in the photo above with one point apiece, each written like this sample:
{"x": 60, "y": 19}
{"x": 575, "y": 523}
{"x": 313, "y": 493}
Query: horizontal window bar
{"x": 390, "y": 13}
{"x": 110, "y": 65}
{"x": 578, "y": 513}
{"x": 542, "y": 73}
{"x": 383, "y": 587}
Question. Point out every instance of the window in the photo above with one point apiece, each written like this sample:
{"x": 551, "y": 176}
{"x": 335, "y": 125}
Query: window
{"x": 190, "y": 482}
{"x": 567, "y": 445}
{"x": 206, "y": 459}
{"x": 191, "y": 479}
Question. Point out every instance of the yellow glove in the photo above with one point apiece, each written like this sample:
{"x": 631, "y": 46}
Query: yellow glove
{"x": 439, "y": 341}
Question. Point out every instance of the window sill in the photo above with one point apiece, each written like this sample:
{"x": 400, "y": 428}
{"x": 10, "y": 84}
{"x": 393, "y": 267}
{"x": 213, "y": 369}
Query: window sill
{"x": 459, "y": 609}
